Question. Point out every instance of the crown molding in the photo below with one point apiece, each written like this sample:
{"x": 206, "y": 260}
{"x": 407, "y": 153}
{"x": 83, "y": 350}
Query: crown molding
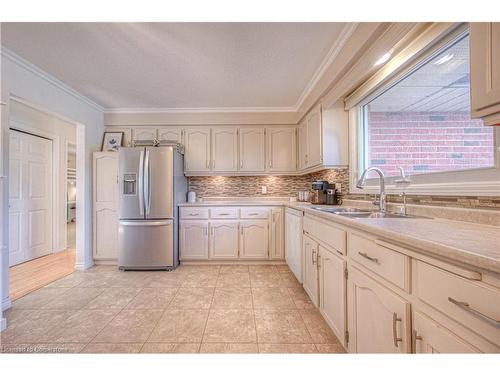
{"x": 345, "y": 34}
{"x": 200, "y": 110}
{"x": 15, "y": 58}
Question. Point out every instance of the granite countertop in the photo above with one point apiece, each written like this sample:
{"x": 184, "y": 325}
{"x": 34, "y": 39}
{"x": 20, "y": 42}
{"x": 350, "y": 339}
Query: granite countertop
{"x": 469, "y": 243}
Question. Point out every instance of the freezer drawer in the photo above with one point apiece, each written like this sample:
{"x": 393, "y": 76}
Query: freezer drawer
{"x": 146, "y": 244}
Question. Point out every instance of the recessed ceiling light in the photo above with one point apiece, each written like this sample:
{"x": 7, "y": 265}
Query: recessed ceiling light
{"x": 444, "y": 59}
{"x": 383, "y": 59}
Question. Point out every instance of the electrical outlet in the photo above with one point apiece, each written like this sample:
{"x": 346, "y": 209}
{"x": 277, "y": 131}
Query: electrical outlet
{"x": 264, "y": 189}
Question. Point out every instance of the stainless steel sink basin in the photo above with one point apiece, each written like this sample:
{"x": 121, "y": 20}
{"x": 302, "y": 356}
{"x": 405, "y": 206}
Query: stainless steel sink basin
{"x": 356, "y": 213}
{"x": 377, "y": 215}
{"x": 339, "y": 210}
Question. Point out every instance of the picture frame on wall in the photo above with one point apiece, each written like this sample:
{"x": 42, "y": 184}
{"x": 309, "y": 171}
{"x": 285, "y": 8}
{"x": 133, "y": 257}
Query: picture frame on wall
{"x": 112, "y": 141}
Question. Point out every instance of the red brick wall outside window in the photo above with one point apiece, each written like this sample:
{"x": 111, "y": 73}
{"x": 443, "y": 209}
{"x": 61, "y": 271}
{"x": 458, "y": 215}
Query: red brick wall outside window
{"x": 426, "y": 142}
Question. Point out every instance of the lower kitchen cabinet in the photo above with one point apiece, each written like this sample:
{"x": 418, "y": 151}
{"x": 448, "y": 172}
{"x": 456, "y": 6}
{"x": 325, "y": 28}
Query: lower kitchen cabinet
{"x": 431, "y": 337}
{"x": 310, "y": 280}
{"x": 254, "y": 239}
{"x": 332, "y": 288}
{"x": 277, "y": 247}
{"x": 379, "y": 319}
{"x": 105, "y": 205}
{"x": 193, "y": 239}
{"x": 223, "y": 242}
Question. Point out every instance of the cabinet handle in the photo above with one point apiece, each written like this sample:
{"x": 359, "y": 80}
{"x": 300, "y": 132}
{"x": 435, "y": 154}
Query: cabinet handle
{"x": 212, "y": 231}
{"x": 364, "y": 255}
{"x": 241, "y": 164}
{"x": 224, "y": 214}
{"x": 397, "y": 339}
{"x": 415, "y": 337}
{"x": 253, "y": 214}
{"x": 206, "y": 231}
{"x": 313, "y": 255}
{"x": 318, "y": 260}
{"x": 465, "y": 306}
{"x": 193, "y": 214}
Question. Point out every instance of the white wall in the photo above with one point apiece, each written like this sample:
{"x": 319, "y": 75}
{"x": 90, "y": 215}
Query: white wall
{"x": 36, "y": 122}
{"x": 22, "y": 80}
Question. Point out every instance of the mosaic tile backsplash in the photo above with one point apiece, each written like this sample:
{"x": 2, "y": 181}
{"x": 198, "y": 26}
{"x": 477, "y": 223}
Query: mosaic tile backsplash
{"x": 250, "y": 186}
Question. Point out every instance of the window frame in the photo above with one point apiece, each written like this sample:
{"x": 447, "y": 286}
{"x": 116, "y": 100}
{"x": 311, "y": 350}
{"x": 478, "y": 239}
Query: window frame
{"x": 484, "y": 181}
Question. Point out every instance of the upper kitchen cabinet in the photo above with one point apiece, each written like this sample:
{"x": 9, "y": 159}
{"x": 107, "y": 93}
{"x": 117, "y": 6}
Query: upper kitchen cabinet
{"x": 169, "y": 134}
{"x": 302, "y": 145}
{"x": 224, "y": 149}
{"x": 323, "y": 139}
{"x": 197, "y": 150}
{"x": 282, "y": 149}
{"x": 252, "y": 149}
{"x": 144, "y": 134}
{"x": 314, "y": 137}
{"x": 485, "y": 71}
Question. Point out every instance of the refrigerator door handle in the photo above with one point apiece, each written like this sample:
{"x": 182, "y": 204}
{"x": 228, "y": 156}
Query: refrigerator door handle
{"x": 140, "y": 193}
{"x": 147, "y": 180}
{"x": 153, "y": 223}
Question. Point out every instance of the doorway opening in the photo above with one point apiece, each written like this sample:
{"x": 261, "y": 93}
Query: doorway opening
{"x": 42, "y": 184}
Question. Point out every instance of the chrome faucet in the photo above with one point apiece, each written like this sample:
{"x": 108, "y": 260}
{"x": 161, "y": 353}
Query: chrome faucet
{"x": 361, "y": 184}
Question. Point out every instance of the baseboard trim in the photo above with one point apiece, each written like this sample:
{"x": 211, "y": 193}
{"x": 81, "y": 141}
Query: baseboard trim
{"x": 6, "y": 303}
{"x": 83, "y": 266}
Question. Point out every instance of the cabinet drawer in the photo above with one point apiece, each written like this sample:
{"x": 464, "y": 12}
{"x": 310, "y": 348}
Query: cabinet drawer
{"x": 223, "y": 212}
{"x": 471, "y": 303}
{"x": 389, "y": 264}
{"x": 254, "y": 213}
{"x": 194, "y": 213}
{"x": 329, "y": 234}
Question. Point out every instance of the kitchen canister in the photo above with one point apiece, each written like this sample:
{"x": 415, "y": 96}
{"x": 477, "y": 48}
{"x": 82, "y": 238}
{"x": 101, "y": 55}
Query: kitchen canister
{"x": 191, "y": 197}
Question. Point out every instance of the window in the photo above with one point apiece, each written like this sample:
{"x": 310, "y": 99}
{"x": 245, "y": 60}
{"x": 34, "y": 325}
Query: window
{"x": 422, "y": 122}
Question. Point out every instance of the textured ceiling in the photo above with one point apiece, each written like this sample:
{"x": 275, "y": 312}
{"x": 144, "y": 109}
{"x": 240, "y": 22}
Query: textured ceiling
{"x": 178, "y": 65}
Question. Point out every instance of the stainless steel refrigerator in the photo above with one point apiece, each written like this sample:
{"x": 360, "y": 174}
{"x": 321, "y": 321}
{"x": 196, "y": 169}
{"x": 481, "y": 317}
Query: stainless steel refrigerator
{"x": 151, "y": 184}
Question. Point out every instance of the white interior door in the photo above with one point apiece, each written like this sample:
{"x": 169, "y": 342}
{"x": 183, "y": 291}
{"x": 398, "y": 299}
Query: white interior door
{"x": 30, "y": 197}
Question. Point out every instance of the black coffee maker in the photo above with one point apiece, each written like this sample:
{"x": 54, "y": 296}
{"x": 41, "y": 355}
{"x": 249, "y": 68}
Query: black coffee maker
{"x": 319, "y": 189}
{"x": 324, "y": 193}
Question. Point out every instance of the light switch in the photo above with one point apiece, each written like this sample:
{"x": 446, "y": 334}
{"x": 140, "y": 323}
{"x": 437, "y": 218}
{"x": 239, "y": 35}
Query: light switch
{"x": 264, "y": 189}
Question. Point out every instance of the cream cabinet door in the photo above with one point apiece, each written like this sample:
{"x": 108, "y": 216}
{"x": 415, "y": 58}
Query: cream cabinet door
{"x": 485, "y": 71}
{"x": 431, "y": 337}
{"x": 224, "y": 149}
{"x": 302, "y": 141}
{"x": 310, "y": 281}
{"x": 170, "y": 134}
{"x": 193, "y": 240}
{"x": 277, "y": 250}
{"x": 252, "y": 150}
{"x": 197, "y": 150}
{"x": 282, "y": 149}
{"x": 224, "y": 239}
{"x": 379, "y": 320}
{"x": 254, "y": 239}
{"x": 314, "y": 138}
{"x": 332, "y": 291}
{"x": 144, "y": 134}
{"x": 105, "y": 193}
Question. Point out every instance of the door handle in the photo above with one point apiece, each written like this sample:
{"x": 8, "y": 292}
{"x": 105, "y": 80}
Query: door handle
{"x": 147, "y": 178}
{"x": 466, "y": 307}
{"x": 364, "y": 255}
{"x": 397, "y": 339}
{"x": 141, "y": 183}
{"x": 415, "y": 337}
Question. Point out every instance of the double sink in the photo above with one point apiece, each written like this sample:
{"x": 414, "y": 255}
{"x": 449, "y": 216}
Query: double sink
{"x": 356, "y": 213}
